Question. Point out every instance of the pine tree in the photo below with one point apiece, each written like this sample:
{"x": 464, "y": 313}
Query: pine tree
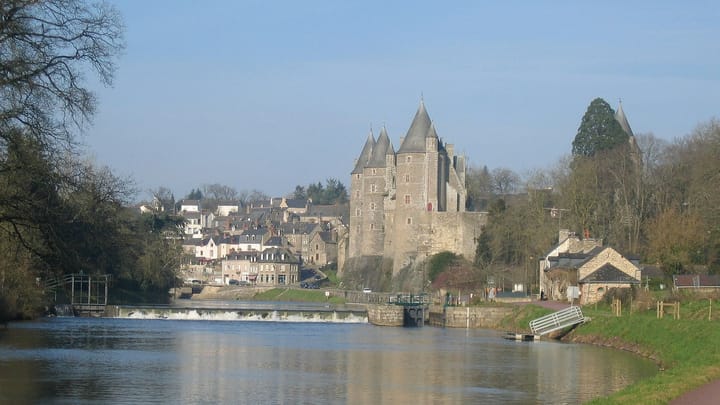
{"x": 598, "y": 131}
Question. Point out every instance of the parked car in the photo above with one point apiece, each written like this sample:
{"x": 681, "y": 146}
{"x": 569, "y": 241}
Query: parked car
{"x": 232, "y": 281}
{"x": 367, "y": 290}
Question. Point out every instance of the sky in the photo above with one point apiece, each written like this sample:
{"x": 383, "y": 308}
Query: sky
{"x": 267, "y": 95}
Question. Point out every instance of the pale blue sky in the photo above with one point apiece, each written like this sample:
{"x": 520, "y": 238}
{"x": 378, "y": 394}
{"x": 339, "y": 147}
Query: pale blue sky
{"x": 270, "y": 94}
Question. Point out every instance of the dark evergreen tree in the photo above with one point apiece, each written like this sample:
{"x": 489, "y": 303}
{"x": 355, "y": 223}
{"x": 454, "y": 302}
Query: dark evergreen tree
{"x": 598, "y": 131}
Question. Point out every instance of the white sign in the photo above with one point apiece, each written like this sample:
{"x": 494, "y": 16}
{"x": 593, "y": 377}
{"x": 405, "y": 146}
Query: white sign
{"x": 573, "y": 292}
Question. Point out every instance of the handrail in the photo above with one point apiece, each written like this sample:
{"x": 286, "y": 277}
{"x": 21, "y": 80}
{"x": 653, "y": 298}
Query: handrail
{"x": 557, "y": 320}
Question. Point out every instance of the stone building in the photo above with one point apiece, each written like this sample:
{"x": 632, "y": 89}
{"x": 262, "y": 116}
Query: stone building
{"x": 410, "y": 204}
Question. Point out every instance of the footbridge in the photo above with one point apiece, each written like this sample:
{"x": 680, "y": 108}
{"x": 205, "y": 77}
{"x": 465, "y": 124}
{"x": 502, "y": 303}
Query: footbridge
{"x": 87, "y": 294}
{"x": 415, "y": 308}
{"x": 557, "y": 320}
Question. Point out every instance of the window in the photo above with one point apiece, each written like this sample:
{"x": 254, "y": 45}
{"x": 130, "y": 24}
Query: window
{"x": 372, "y": 206}
{"x": 407, "y": 178}
{"x": 372, "y": 227}
{"x": 357, "y": 194}
{"x": 409, "y": 221}
{"x": 357, "y": 176}
{"x": 408, "y": 159}
{"x": 357, "y": 212}
{"x": 374, "y": 171}
{"x": 373, "y": 188}
{"x": 407, "y": 199}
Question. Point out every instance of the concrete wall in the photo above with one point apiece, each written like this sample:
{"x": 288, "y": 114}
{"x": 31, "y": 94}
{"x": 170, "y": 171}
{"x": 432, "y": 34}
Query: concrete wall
{"x": 385, "y": 315}
{"x": 468, "y": 317}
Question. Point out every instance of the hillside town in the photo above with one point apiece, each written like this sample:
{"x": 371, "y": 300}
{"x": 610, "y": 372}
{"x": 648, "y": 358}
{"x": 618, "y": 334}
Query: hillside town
{"x": 405, "y": 207}
{"x": 260, "y": 243}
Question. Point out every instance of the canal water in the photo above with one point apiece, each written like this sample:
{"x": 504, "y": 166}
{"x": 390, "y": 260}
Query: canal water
{"x": 89, "y": 361}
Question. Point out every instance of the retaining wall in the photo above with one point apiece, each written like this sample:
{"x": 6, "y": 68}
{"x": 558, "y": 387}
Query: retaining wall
{"x": 385, "y": 315}
{"x": 468, "y": 317}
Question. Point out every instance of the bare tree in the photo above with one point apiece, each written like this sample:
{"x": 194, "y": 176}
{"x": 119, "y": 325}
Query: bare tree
{"x": 47, "y": 48}
{"x": 504, "y": 180}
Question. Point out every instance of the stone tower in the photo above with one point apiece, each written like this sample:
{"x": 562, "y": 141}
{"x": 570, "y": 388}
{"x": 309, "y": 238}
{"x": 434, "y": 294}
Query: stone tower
{"x": 410, "y": 204}
{"x": 357, "y": 198}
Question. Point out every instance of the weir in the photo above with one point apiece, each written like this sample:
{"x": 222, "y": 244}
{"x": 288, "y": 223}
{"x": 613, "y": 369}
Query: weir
{"x": 249, "y": 311}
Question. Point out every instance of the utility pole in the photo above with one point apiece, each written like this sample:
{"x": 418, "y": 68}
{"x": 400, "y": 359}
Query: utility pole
{"x": 557, "y": 213}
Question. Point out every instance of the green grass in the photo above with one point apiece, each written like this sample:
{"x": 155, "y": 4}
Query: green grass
{"x": 295, "y": 295}
{"x": 687, "y": 350}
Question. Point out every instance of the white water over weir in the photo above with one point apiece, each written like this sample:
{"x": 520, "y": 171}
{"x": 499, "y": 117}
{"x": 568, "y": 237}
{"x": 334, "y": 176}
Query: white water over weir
{"x": 247, "y": 311}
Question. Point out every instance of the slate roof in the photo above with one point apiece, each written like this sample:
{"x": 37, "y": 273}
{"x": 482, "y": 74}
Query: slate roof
{"x": 609, "y": 274}
{"x": 296, "y": 202}
{"x": 275, "y": 241}
{"x": 326, "y": 237}
{"x": 275, "y": 255}
{"x": 380, "y": 150}
{"x": 419, "y": 129}
{"x": 620, "y": 118}
{"x": 256, "y": 232}
{"x": 230, "y": 240}
{"x": 290, "y": 228}
{"x": 365, "y": 154}
{"x": 341, "y": 211}
{"x": 696, "y": 280}
{"x": 243, "y": 255}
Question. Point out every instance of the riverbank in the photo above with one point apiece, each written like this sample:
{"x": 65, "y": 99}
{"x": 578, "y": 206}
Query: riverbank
{"x": 685, "y": 349}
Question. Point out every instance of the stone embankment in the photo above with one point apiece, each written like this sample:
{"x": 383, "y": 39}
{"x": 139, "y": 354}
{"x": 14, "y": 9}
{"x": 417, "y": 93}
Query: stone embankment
{"x": 468, "y": 317}
{"x": 385, "y": 315}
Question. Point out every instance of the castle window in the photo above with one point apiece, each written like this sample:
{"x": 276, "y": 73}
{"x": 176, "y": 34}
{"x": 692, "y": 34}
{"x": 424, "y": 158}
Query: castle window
{"x": 372, "y": 227}
{"x": 409, "y": 220}
{"x": 408, "y": 159}
{"x": 357, "y": 193}
{"x": 372, "y": 206}
{"x": 407, "y": 178}
{"x": 357, "y": 212}
{"x": 407, "y": 199}
{"x": 374, "y": 171}
{"x": 373, "y": 188}
{"x": 357, "y": 176}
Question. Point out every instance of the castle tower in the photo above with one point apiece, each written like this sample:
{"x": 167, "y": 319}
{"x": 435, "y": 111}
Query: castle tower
{"x": 375, "y": 188}
{"x": 416, "y": 188}
{"x": 410, "y": 204}
{"x": 634, "y": 148}
{"x": 357, "y": 197}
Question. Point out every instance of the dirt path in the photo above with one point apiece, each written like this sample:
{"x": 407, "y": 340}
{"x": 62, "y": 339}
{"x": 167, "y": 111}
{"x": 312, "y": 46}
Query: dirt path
{"x": 708, "y": 394}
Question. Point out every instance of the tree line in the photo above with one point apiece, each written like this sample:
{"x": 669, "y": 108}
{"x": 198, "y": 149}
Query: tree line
{"x": 60, "y": 213}
{"x": 642, "y": 195}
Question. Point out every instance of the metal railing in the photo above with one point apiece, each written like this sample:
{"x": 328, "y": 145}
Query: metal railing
{"x": 557, "y": 320}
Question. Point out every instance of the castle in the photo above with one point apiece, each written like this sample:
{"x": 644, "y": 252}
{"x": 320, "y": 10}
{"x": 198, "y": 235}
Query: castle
{"x": 410, "y": 204}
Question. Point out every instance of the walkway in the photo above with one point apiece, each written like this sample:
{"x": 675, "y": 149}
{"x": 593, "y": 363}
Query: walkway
{"x": 708, "y": 394}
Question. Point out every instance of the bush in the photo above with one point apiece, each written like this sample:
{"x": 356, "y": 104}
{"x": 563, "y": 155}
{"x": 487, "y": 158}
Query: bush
{"x": 623, "y": 294}
{"x": 439, "y": 262}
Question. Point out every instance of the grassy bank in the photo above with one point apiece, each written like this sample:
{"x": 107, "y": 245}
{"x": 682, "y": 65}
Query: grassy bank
{"x": 686, "y": 350}
{"x": 295, "y": 295}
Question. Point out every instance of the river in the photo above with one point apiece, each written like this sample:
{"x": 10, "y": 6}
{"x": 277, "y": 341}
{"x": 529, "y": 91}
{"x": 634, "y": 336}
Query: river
{"x": 102, "y": 360}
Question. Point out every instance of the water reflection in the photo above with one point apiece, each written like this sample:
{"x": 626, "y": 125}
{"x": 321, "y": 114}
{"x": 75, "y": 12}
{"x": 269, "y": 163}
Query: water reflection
{"x": 130, "y": 361}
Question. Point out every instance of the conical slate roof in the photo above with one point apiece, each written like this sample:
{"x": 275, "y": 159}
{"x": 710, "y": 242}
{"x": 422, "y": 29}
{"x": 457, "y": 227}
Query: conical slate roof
{"x": 380, "y": 150}
{"x": 364, "y": 155}
{"x": 415, "y": 138}
{"x": 620, "y": 118}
